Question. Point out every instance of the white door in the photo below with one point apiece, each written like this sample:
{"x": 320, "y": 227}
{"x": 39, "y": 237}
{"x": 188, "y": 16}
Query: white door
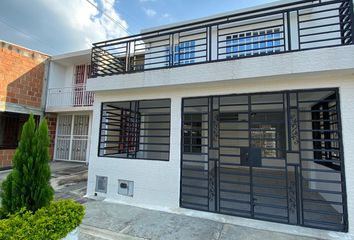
{"x": 72, "y": 138}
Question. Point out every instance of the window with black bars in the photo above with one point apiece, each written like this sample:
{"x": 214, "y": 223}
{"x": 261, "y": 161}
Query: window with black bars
{"x": 11, "y": 127}
{"x": 135, "y": 129}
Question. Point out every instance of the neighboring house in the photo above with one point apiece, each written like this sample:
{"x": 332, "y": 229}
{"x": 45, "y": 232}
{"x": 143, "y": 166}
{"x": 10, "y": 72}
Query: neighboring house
{"x": 71, "y": 105}
{"x": 23, "y": 75}
{"x": 248, "y": 113}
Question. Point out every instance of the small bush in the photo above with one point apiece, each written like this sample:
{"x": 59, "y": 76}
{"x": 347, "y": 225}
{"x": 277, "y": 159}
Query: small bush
{"x": 52, "y": 222}
{"x": 28, "y": 186}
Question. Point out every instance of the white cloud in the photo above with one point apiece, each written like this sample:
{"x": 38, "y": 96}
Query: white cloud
{"x": 81, "y": 18}
{"x": 64, "y": 25}
{"x": 165, "y": 15}
{"x": 150, "y": 12}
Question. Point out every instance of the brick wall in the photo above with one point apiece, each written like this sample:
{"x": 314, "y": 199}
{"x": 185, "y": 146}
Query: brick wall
{"x": 6, "y": 156}
{"x": 52, "y": 125}
{"x": 21, "y": 75}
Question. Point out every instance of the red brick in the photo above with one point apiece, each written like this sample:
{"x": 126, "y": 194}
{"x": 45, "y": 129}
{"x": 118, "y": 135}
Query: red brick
{"x": 21, "y": 76}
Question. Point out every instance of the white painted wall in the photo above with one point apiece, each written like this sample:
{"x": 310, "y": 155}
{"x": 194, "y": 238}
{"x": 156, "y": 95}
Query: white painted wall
{"x": 60, "y": 75}
{"x": 57, "y": 73}
{"x": 156, "y": 183}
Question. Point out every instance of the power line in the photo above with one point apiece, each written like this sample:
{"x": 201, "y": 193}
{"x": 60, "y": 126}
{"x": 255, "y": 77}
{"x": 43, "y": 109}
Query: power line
{"x": 109, "y": 17}
{"x": 28, "y": 35}
{"x": 135, "y": 20}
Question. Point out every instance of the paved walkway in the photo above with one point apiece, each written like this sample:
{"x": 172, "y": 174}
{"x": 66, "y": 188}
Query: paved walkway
{"x": 115, "y": 221}
{"x": 104, "y": 221}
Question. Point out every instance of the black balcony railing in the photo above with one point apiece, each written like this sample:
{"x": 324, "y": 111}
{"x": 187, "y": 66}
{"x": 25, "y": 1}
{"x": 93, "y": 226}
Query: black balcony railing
{"x": 300, "y": 25}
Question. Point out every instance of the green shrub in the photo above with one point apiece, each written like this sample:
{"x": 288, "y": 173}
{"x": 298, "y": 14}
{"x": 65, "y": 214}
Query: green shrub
{"x": 28, "y": 183}
{"x": 52, "y": 222}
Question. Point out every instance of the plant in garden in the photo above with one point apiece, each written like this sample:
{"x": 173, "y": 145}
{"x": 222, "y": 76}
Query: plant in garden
{"x": 27, "y": 186}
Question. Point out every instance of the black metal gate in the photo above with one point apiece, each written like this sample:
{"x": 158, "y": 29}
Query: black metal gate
{"x": 269, "y": 156}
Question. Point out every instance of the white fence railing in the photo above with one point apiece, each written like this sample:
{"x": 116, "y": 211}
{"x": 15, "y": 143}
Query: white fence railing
{"x": 75, "y": 96}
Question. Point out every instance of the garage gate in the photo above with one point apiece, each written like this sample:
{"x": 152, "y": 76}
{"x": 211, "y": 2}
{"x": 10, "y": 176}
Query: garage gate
{"x": 269, "y": 156}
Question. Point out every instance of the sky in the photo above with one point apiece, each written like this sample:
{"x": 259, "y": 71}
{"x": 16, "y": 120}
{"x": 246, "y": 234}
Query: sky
{"x": 59, "y": 26}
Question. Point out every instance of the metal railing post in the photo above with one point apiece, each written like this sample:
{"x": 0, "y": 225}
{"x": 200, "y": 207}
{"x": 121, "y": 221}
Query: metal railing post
{"x": 210, "y": 43}
{"x": 289, "y": 30}
{"x": 127, "y": 59}
{"x": 351, "y": 19}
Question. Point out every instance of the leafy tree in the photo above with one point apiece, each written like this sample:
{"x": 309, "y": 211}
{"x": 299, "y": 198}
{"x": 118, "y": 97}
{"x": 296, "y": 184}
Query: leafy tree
{"x": 28, "y": 184}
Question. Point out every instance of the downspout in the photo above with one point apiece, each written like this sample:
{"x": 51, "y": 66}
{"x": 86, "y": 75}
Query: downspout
{"x": 45, "y": 86}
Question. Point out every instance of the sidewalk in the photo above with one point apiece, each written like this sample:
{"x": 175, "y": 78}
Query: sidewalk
{"x": 105, "y": 220}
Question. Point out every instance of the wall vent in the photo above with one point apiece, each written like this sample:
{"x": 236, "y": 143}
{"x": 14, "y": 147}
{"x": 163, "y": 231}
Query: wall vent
{"x": 101, "y": 184}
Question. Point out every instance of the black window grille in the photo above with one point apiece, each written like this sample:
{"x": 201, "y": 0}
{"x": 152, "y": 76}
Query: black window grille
{"x": 135, "y": 129}
{"x": 325, "y": 134}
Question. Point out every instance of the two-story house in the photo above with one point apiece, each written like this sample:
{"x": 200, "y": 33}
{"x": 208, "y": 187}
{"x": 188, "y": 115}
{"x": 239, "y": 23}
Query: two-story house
{"x": 71, "y": 104}
{"x": 248, "y": 114}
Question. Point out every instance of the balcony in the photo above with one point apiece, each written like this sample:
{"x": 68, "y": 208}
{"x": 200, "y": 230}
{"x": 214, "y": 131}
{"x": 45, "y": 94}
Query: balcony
{"x": 70, "y": 97}
{"x": 289, "y": 27}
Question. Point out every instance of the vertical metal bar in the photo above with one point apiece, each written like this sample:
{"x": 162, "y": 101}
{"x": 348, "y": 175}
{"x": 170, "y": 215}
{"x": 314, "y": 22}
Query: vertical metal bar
{"x": 297, "y": 194}
{"x": 133, "y": 67}
{"x": 252, "y": 204}
{"x": 181, "y": 150}
{"x": 71, "y": 135}
{"x": 298, "y": 30}
{"x": 211, "y": 120}
{"x": 56, "y": 138}
{"x": 342, "y": 163}
{"x": 288, "y": 29}
{"x": 351, "y": 9}
{"x": 300, "y": 159}
{"x": 217, "y": 42}
{"x": 208, "y": 153}
{"x": 172, "y": 50}
{"x": 218, "y": 169}
{"x": 136, "y": 128}
{"x": 288, "y": 110}
{"x": 287, "y": 117}
{"x": 210, "y": 44}
{"x": 127, "y": 58}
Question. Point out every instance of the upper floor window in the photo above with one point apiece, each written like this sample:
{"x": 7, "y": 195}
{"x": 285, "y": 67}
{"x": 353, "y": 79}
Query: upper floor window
{"x": 253, "y": 43}
{"x": 81, "y": 74}
{"x": 184, "y": 53}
